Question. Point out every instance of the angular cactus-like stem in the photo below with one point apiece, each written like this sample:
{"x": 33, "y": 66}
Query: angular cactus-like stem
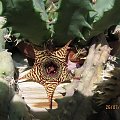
{"x": 91, "y": 72}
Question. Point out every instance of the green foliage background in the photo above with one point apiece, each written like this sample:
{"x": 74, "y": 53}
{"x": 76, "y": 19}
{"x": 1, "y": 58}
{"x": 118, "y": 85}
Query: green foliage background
{"x": 60, "y": 20}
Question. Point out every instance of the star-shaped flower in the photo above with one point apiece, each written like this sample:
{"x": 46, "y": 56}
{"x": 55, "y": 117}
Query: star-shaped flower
{"x": 49, "y": 69}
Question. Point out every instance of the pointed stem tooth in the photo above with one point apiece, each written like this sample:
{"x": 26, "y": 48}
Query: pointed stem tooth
{"x": 86, "y": 24}
{"x": 81, "y": 36}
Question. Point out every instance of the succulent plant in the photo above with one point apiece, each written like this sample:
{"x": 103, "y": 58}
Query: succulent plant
{"x": 2, "y": 42}
{"x": 18, "y": 109}
{"x": 104, "y": 11}
{"x": 11, "y": 104}
{"x": 108, "y": 89}
{"x": 7, "y": 66}
{"x": 59, "y": 20}
{"x": 31, "y": 23}
{"x": 5, "y": 98}
{"x": 76, "y": 107}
